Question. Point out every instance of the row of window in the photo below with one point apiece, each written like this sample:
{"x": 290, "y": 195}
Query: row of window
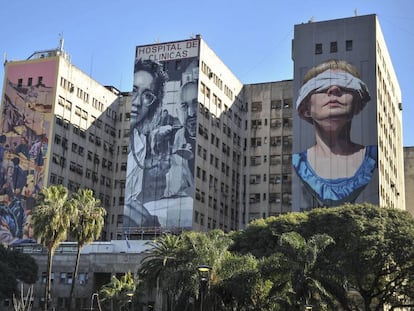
{"x": 67, "y": 104}
{"x": 274, "y": 123}
{"x": 211, "y": 223}
{"x": 333, "y": 47}
{"x": 274, "y": 197}
{"x": 273, "y": 178}
{"x": 274, "y": 159}
{"x": 257, "y": 106}
{"x": 211, "y": 75}
{"x": 74, "y": 186}
{"x": 30, "y": 81}
{"x": 218, "y": 103}
{"x": 66, "y": 278}
{"x": 275, "y": 141}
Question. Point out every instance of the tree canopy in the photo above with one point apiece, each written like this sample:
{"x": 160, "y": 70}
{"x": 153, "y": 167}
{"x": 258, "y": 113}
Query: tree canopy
{"x": 353, "y": 257}
{"x": 14, "y": 266}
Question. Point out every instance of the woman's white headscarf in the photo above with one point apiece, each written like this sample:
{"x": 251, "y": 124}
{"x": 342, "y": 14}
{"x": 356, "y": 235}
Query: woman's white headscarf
{"x": 326, "y": 79}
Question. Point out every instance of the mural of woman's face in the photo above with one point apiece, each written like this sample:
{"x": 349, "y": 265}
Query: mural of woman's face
{"x": 143, "y": 96}
{"x": 332, "y": 107}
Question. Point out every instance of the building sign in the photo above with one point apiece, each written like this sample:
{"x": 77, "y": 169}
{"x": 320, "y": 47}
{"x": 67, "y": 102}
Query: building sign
{"x": 168, "y": 51}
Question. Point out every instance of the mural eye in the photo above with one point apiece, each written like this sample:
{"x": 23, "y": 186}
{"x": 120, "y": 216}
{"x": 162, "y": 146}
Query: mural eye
{"x": 147, "y": 98}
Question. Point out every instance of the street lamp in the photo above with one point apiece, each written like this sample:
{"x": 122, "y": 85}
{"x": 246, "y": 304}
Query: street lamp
{"x": 204, "y": 278}
{"x": 130, "y": 294}
{"x": 97, "y": 300}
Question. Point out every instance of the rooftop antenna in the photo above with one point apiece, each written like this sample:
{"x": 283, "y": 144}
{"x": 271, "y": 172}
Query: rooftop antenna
{"x": 61, "y": 42}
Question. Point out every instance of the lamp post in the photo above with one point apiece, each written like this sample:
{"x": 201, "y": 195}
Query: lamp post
{"x": 129, "y": 294}
{"x": 204, "y": 278}
{"x": 97, "y": 300}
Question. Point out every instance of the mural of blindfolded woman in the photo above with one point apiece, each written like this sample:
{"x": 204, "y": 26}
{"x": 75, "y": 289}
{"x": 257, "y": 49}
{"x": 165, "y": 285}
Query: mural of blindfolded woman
{"x": 334, "y": 170}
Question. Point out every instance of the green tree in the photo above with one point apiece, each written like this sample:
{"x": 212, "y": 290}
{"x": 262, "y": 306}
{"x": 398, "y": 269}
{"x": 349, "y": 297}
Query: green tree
{"x": 299, "y": 259}
{"x": 14, "y": 266}
{"x": 51, "y": 221}
{"x": 171, "y": 266}
{"x": 373, "y": 254}
{"x": 119, "y": 291}
{"x": 86, "y": 225}
{"x": 241, "y": 286}
{"x": 371, "y": 262}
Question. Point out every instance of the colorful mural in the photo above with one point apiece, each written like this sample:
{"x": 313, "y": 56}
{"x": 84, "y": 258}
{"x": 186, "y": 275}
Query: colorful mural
{"x": 26, "y": 115}
{"x": 335, "y": 136}
{"x": 160, "y": 171}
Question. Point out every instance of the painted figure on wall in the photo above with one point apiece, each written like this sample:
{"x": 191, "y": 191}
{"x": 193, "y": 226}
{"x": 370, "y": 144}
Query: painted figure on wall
{"x": 335, "y": 169}
{"x": 23, "y": 148}
{"x": 160, "y": 173}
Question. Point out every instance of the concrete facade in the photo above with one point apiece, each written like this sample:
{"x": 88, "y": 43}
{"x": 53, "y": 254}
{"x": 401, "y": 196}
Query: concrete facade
{"x": 409, "y": 178}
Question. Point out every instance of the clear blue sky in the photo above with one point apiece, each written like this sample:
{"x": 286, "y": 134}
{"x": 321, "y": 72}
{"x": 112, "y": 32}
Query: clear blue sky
{"x": 252, "y": 37}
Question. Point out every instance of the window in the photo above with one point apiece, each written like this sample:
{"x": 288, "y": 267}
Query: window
{"x": 334, "y": 47}
{"x": 255, "y": 160}
{"x": 255, "y": 179}
{"x": 318, "y": 48}
{"x": 123, "y": 166}
{"x": 274, "y": 197}
{"x": 274, "y": 159}
{"x": 62, "y": 279}
{"x": 287, "y": 103}
{"x": 256, "y": 123}
{"x": 20, "y": 82}
{"x": 83, "y": 278}
{"x": 275, "y": 141}
{"x": 276, "y": 104}
{"x": 254, "y": 198}
{"x": 348, "y": 45}
{"x": 78, "y": 111}
{"x": 274, "y": 179}
{"x": 256, "y": 106}
{"x": 256, "y": 142}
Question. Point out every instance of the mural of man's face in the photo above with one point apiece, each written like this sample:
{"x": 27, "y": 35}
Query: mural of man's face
{"x": 143, "y": 96}
{"x": 189, "y": 96}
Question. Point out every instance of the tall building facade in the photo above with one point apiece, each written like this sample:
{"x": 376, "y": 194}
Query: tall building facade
{"x": 268, "y": 149}
{"x": 184, "y": 161}
{"x": 57, "y": 127}
{"x": 347, "y": 133}
{"x": 409, "y": 178}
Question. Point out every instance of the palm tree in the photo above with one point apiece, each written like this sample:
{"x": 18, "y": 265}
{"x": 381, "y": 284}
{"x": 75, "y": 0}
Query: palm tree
{"x": 171, "y": 266}
{"x": 86, "y": 226}
{"x": 300, "y": 258}
{"x": 51, "y": 221}
{"x": 162, "y": 264}
{"x": 120, "y": 290}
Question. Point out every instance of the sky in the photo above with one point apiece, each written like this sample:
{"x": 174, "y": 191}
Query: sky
{"x": 253, "y": 38}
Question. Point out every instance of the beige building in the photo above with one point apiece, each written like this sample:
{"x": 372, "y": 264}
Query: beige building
{"x": 268, "y": 156}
